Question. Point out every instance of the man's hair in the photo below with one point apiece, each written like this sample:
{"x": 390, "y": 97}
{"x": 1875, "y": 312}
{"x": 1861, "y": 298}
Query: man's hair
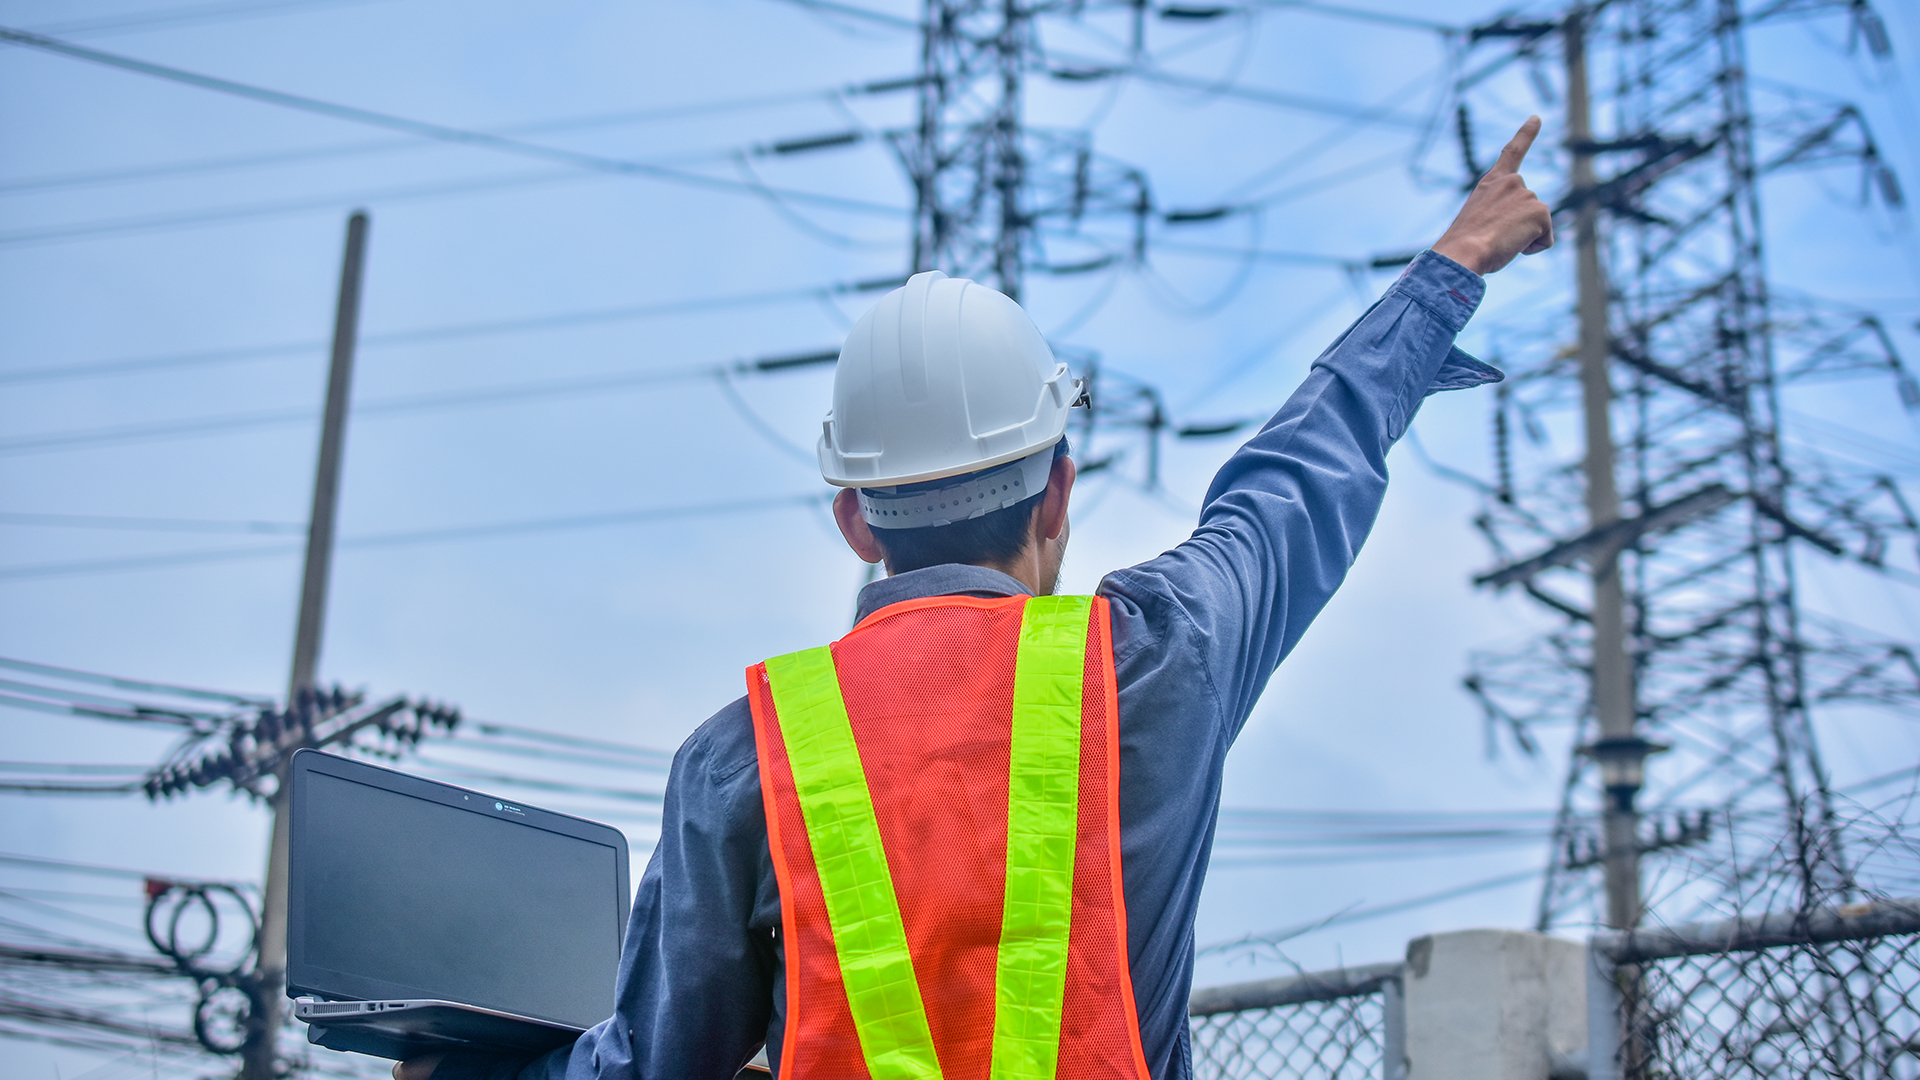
{"x": 990, "y": 538}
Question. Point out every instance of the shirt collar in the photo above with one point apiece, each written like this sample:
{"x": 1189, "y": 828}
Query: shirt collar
{"x": 947, "y": 579}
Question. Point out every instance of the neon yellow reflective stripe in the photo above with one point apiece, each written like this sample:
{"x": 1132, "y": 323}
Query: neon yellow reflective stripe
{"x": 862, "y": 911}
{"x": 1043, "y": 807}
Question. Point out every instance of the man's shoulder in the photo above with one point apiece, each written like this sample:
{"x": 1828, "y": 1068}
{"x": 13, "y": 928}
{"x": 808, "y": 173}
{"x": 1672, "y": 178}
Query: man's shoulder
{"x": 720, "y": 750}
{"x": 1164, "y": 631}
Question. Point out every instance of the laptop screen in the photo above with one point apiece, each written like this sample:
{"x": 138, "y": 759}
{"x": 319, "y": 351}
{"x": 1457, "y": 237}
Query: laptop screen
{"x": 444, "y": 893}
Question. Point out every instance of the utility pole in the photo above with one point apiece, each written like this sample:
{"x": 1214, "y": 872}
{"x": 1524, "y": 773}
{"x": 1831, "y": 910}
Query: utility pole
{"x": 1620, "y": 752}
{"x": 263, "y": 1023}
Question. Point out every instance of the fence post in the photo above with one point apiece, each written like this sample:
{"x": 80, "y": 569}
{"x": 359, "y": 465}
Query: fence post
{"x": 1492, "y": 1005}
{"x": 1603, "y": 1011}
{"x": 1393, "y": 1034}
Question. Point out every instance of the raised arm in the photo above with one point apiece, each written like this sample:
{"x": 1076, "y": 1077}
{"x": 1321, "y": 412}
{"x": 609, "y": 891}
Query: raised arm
{"x": 1286, "y": 515}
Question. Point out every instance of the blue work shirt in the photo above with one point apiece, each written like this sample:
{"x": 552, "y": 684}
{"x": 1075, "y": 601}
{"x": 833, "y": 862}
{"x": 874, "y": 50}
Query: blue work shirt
{"x": 1197, "y": 632}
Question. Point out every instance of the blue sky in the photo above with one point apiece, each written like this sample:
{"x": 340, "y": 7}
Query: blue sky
{"x": 142, "y": 219}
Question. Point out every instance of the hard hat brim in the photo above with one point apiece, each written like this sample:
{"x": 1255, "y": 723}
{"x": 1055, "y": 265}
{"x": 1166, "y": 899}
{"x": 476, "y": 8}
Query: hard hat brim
{"x": 936, "y": 474}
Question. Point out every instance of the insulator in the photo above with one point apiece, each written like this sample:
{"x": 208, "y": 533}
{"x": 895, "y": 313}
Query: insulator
{"x": 1890, "y": 187}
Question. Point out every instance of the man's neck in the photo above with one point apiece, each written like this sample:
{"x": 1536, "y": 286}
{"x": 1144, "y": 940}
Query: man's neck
{"x": 1028, "y": 567}
{"x": 1023, "y": 568}
{"x": 1024, "y": 571}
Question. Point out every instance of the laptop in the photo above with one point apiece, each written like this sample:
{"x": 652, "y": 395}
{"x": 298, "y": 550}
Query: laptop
{"x": 423, "y": 916}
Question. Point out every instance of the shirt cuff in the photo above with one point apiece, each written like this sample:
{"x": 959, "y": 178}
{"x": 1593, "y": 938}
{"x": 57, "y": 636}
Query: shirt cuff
{"x": 1452, "y": 293}
{"x": 1444, "y": 287}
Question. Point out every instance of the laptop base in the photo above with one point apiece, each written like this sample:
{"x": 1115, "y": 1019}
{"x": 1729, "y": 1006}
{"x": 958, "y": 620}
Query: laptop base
{"x": 406, "y": 1029}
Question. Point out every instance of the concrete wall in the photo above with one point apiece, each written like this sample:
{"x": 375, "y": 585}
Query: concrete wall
{"x": 1495, "y": 1005}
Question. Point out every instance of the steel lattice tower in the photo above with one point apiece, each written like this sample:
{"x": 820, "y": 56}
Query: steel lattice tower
{"x": 996, "y": 198}
{"x": 989, "y": 189}
{"x": 1723, "y": 665}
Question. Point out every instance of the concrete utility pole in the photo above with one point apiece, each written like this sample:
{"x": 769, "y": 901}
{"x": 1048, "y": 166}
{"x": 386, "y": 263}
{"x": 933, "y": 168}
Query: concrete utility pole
{"x": 1620, "y": 752}
{"x": 271, "y": 970}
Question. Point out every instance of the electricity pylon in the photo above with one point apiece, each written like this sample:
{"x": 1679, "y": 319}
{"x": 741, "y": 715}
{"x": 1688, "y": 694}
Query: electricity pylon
{"x": 1683, "y": 657}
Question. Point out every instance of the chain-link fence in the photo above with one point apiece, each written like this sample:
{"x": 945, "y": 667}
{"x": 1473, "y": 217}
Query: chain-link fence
{"x": 1343, "y": 1024}
{"x": 1826, "y": 994}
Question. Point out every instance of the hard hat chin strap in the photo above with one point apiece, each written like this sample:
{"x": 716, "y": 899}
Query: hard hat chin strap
{"x": 969, "y": 495}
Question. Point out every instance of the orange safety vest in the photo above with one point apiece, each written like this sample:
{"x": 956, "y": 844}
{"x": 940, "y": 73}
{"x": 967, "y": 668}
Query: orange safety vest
{"x": 898, "y": 766}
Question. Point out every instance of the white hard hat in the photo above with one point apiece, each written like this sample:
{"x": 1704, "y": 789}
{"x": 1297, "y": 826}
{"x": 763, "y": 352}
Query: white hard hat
{"x": 943, "y": 376}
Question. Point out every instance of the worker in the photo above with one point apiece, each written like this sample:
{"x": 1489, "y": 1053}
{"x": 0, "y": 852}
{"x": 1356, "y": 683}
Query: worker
{"x": 967, "y": 839}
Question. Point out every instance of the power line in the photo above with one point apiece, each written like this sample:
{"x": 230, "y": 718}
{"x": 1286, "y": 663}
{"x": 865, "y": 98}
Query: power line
{"x": 1291, "y": 258}
{"x": 619, "y": 118}
{"x": 37, "y": 862}
{"x": 104, "y": 899}
{"x": 442, "y": 132}
{"x": 881, "y": 18}
{"x": 1345, "y": 11}
{"x": 515, "y": 393}
{"x": 280, "y": 208}
{"x": 1187, "y": 14}
{"x": 68, "y": 769}
{"x": 147, "y": 524}
{"x": 417, "y": 536}
{"x": 71, "y": 787}
{"x": 1088, "y": 69}
{"x": 66, "y": 699}
{"x": 486, "y": 328}
{"x": 517, "y": 743}
{"x": 136, "y": 685}
{"x": 125, "y": 714}
{"x": 331, "y": 202}
{"x": 185, "y": 16}
{"x": 573, "y": 747}
{"x": 652, "y": 798}
{"x": 1354, "y": 915}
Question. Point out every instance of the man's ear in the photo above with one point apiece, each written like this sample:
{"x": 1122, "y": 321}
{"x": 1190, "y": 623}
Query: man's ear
{"x": 1053, "y": 508}
{"x": 854, "y": 527}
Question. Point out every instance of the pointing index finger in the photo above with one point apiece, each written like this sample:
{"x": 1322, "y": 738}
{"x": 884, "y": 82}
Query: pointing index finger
{"x": 1516, "y": 149}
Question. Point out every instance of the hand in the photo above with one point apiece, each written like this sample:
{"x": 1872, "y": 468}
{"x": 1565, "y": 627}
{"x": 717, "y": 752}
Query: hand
{"x": 1502, "y": 218}
{"x": 419, "y": 1068}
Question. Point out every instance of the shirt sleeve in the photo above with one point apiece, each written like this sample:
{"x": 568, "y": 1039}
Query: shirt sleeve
{"x": 1286, "y": 515}
{"x": 694, "y": 995}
